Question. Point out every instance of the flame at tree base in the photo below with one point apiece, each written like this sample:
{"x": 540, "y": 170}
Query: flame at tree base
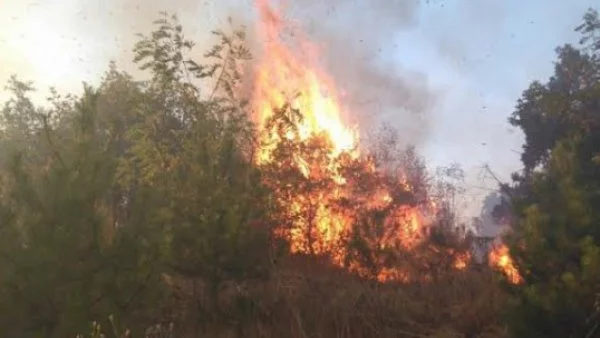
{"x": 500, "y": 259}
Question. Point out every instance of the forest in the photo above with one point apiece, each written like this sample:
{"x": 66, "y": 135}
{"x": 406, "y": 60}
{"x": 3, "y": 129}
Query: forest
{"x": 182, "y": 204}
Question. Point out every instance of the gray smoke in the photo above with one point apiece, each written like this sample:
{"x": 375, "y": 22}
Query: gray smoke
{"x": 489, "y": 226}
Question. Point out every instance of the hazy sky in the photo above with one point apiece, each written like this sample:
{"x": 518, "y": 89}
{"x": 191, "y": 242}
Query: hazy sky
{"x": 470, "y": 58}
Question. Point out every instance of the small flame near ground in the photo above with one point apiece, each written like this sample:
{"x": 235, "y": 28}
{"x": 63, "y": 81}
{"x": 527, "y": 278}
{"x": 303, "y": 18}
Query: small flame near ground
{"x": 290, "y": 74}
{"x": 499, "y": 258}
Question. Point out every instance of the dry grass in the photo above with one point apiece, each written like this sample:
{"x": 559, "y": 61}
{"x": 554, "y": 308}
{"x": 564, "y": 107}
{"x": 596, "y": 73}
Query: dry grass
{"x": 309, "y": 298}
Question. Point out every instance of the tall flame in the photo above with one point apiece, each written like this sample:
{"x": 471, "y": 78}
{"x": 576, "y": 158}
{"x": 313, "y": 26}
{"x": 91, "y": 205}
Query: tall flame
{"x": 284, "y": 78}
{"x": 288, "y": 76}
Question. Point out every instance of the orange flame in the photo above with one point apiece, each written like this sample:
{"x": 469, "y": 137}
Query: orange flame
{"x": 286, "y": 76}
{"x": 499, "y": 258}
{"x": 462, "y": 260}
{"x": 283, "y": 78}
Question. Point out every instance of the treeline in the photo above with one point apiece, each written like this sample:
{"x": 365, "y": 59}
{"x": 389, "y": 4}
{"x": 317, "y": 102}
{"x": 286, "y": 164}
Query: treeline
{"x": 555, "y": 199}
{"x": 136, "y": 209}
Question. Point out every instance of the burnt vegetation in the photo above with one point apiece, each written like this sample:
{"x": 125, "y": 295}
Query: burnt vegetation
{"x": 137, "y": 209}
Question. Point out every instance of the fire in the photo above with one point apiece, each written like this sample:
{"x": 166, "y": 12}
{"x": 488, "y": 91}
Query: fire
{"x": 318, "y": 219}
{"x": 462, "y": 261}
{"x": 499, "y": 258}
{"x": 284, "y": 78}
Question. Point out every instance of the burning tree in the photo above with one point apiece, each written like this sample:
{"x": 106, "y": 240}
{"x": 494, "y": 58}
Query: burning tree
{"x": 335, "y": 198}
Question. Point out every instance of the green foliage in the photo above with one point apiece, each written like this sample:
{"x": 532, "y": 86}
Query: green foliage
{"x": 192, "y": 161}
{"x": 555, "y": 240}
{"x": 106, "y": 196}
{"x": 60, "y": 267}
{"x": 555, "y": 245}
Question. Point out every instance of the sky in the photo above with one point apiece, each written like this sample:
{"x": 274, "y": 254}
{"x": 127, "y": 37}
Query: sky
{"x": 484, "y": 53}
{"x": 458, "y": 65}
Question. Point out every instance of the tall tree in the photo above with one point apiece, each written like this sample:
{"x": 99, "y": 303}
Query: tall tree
{"x": 107, "y": 195}
{"x": 556, "y": 239}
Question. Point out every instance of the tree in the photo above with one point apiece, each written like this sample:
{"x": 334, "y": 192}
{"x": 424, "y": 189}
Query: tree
{"x": 60, "y": 264}
{"x": 106, "y": 196}
{"x": 555, "y": 240}
{"x": 192, "y": 155}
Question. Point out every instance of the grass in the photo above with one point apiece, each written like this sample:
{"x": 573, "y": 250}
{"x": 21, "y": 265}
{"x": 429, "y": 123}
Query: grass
{"x": 307, "y": 297}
